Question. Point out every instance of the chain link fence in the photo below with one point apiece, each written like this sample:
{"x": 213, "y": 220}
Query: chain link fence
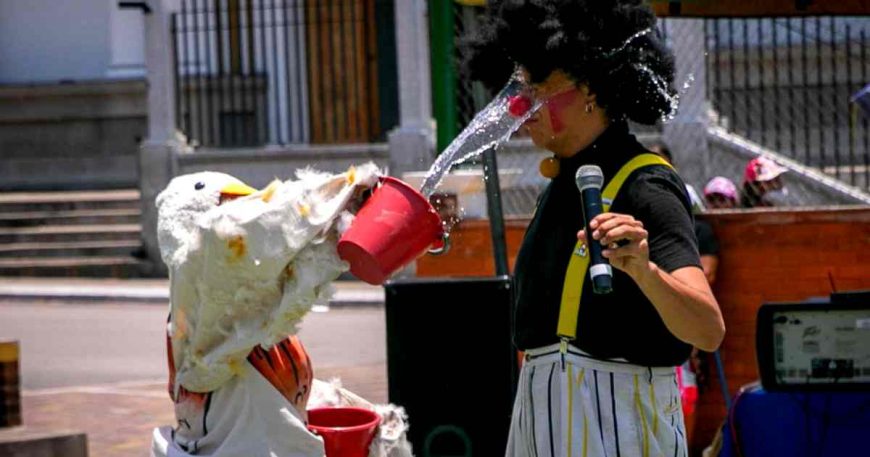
{"x": 777, "y": 87}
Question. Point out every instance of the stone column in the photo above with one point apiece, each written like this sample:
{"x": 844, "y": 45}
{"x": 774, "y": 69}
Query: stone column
{"x": 157, "y": 152}
{"x": 412, "y": 143}
{"x": 686, "y": 134}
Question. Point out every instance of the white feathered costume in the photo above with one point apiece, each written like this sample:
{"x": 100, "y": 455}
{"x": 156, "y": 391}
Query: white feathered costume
{"x": 244, "y": 273}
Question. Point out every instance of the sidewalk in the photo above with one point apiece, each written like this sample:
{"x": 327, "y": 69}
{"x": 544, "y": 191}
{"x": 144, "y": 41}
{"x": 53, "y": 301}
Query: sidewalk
{"x": 119, "y": 418}
{"x": 347, "y": 293}
{"x": 119, "y": 407}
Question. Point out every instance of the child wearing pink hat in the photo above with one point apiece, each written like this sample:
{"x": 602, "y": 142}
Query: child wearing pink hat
{"x": 762, "y": 184}
{"x": 720, "y": 193}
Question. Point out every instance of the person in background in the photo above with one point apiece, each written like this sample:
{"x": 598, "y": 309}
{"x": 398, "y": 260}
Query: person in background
{"x": 719, "y": 193}
{"x": 692, "y": 375}
{"x": 762, "y": 184}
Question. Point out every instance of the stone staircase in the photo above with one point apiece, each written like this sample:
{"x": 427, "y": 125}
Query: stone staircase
{"x": 70, "y": 234}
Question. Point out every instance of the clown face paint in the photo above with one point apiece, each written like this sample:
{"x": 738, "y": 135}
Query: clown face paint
{"x": 556, "y": 107}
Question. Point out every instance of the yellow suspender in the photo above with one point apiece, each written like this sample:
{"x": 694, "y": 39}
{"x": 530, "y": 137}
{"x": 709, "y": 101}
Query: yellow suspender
{"x": 575, "y": 275}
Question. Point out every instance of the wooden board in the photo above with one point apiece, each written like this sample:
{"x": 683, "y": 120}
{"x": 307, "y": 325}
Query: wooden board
{"x": 746, "y": 8}
{"x": 342, "y": 71}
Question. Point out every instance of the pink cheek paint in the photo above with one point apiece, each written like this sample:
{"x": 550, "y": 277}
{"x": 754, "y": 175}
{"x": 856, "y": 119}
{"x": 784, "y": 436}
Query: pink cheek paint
{"x": 556, "y": 106}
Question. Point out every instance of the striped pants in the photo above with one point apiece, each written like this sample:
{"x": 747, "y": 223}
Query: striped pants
{"x": 594, "y": 408}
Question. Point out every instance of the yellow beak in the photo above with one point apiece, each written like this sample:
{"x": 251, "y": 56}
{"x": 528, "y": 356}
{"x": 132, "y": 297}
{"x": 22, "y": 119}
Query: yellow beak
{"x": 236, "y": 190}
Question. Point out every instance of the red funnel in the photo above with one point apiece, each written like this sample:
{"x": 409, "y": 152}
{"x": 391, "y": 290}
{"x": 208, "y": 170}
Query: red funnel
{"x": 395, "y": 226}
{"x": 346, "y": 432}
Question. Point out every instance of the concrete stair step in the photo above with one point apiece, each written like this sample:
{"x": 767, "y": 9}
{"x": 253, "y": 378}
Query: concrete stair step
{"x": 102, "y": 266}
{"x": 59, "y": 233}
{"x": 64, "y": 201}
{"x": 71, "y": 248}
{"x": 70, "y": 217}
{"x": 70, "y": 233}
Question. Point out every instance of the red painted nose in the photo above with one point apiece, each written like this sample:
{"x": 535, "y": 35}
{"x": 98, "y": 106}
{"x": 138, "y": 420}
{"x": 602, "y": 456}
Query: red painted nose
{"x": 519, "y": 105}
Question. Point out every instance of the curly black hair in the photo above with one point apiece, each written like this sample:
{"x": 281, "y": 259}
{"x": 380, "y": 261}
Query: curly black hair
{"x": 612, "y": 46}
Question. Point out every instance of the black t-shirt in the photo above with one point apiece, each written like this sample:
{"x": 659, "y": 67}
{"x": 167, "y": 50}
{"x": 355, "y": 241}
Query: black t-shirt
{"x": 624, "y": 323}
{"x": 707, "y": 242}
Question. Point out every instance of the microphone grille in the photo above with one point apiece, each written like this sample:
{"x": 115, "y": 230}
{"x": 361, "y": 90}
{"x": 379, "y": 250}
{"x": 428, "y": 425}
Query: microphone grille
{"x": 589, "y": 176}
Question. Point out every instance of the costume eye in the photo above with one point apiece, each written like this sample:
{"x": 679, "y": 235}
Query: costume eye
{"x": 199, "y": 185}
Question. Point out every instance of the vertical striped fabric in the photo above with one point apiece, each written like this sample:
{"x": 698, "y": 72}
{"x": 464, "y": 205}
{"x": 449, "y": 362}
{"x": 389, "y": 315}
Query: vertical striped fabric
{"x": 594, "y": 408}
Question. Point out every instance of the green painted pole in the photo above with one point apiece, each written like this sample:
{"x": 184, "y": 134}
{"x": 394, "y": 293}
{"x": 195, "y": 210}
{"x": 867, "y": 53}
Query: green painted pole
{"x": 442, "y": 55}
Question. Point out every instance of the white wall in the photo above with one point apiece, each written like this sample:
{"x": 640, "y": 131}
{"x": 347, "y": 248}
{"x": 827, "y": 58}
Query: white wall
{"x": 52, "y": 40}
{"x": 127, "y": 42}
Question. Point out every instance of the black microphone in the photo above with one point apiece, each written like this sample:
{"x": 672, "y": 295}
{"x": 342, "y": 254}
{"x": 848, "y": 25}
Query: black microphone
{"x": 589, "y": 179}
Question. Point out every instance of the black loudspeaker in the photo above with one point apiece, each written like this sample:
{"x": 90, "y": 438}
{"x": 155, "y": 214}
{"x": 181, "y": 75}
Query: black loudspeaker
{"x": 451, "y": 363}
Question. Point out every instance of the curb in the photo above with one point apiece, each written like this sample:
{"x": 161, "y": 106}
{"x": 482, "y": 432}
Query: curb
{"x": 79, "y": 295}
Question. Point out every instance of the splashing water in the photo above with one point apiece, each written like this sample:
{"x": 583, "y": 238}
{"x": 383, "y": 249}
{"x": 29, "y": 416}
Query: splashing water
{"x": 491, "y": 127}
{"x": 689, "y": 81}
{"x": 662, "y": 88}
{"x": 625, "y": 43}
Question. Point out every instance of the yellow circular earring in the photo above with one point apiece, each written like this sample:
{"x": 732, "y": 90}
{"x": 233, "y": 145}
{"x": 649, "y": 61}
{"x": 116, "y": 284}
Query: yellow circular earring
{"x": 549, "y": 167}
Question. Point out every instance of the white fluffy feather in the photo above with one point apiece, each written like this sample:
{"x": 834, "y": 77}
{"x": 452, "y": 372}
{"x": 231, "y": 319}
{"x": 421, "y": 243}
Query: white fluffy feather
{"x": 245, "y": 273}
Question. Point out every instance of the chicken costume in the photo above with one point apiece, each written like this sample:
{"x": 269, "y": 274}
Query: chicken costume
{"x": 245, "y": 267}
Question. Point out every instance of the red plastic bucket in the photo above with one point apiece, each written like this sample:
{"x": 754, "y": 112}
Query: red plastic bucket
{"x": 346, "y": 432}
{"x": 395, "y": 226}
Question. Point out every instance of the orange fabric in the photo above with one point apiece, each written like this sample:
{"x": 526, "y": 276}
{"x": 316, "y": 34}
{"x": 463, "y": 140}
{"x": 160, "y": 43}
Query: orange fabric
{"x": 183, "y": 394}
{"x": 286, "y": 366}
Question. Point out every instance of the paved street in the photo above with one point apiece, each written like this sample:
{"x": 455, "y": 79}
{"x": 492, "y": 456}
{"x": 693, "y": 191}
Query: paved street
{"x": 100, "y": 368}
{"x": 70, "y": 345}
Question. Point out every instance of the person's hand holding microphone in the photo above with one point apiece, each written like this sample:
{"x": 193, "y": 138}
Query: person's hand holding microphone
{"x": 621, "y": 237}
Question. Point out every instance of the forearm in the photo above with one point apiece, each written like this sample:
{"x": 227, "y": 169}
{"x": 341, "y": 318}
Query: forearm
{"x": 690, "y": 313}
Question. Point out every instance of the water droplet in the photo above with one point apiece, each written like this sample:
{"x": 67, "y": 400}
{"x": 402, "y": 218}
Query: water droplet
{"x": 688, "y": 83}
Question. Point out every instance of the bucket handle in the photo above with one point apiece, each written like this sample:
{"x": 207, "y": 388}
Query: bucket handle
{"x": 442, "y": 246}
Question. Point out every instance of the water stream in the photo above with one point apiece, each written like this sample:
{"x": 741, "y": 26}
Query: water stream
{"x": 491, "y": 127}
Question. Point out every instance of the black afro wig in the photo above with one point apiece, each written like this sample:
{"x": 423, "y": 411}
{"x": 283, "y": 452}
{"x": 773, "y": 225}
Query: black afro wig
{"x": 611, "y": 45}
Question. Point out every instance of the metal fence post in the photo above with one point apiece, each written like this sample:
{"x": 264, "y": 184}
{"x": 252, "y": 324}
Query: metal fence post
{"x": 443, "y": 71}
